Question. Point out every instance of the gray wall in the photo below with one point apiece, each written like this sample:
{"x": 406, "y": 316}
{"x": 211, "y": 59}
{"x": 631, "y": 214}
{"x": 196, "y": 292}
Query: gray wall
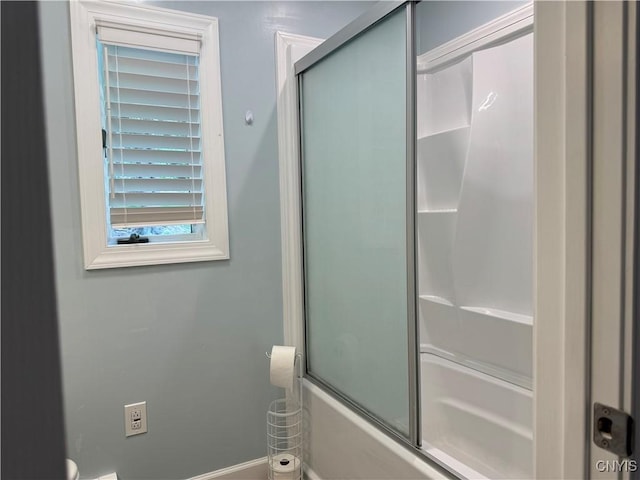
{"x": 439, "y": 21}
{"x": 187, "y": 338}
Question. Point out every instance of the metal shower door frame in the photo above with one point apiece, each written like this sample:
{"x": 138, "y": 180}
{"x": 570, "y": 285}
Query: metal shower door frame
{"x": 351, "y": 31}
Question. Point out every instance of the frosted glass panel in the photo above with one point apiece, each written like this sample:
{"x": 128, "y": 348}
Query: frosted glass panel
{"x": 355, "y": 207}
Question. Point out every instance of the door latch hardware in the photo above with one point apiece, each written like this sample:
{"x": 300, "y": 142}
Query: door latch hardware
{"x": 613, "y": 430}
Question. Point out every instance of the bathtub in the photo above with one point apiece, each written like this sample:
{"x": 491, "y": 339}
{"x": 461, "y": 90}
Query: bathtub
{"x": 340, "y": 444}
{"x": 486, "y": 435}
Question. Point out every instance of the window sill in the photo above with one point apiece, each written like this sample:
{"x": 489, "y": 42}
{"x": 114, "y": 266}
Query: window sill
{"x": 116, "y": 256}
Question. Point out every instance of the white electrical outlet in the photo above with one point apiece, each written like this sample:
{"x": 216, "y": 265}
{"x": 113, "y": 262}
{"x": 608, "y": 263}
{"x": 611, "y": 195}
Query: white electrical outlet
{"x": 135, "y": 419}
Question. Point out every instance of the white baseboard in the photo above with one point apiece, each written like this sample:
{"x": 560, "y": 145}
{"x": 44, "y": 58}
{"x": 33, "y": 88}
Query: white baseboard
{"x": 251, "y": 470}
{"x": 309, "y": 474}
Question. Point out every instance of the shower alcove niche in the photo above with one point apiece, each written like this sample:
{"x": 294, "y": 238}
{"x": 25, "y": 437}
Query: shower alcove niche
{"x": 475, "y": 246}
{"x": 416, "y": 188}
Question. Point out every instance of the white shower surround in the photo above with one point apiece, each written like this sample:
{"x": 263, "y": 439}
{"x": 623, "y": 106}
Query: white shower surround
{"x": 475, "y": 257}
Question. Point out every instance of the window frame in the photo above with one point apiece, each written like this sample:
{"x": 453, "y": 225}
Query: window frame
{"x": 98, "y": 251}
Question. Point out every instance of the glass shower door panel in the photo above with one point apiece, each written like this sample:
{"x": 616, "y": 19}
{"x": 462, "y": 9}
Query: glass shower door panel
{"x": 475, "y": 200}
{"x": 353, "y": 111}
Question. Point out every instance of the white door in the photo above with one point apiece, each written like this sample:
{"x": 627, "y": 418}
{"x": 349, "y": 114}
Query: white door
{"x": 614, "y": 236}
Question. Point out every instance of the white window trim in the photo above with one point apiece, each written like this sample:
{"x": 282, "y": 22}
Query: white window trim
{"x": 97, "y": 252}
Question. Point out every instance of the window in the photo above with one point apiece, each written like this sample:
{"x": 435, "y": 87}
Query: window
{"x": 149, "y": 131}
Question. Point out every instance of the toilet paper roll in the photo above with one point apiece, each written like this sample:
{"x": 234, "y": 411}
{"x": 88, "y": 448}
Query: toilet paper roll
{"x": 285, "y": 467}
{"x": 282, "y": 371}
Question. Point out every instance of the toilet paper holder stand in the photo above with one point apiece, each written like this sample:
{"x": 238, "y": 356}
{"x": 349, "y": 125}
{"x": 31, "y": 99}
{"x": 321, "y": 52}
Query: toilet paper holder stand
{"x": 285, "y": 432}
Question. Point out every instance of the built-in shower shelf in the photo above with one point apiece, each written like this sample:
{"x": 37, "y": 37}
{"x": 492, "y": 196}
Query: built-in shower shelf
{"x": 441, "y": 210}
{"x": 449, "y": 131}
{"x": 440, "y": 169}
{"x": 487, "y": 312}
{"x": 465, "y": 362}
{"x": 501, "y": 314}
{"x": 489, "y": 340}
{"x": 436, "y": 299}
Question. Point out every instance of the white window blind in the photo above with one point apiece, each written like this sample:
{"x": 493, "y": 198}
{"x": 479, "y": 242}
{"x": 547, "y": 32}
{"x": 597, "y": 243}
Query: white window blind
{"x": 147, "y": 37}
{"x": 152, "y": 119}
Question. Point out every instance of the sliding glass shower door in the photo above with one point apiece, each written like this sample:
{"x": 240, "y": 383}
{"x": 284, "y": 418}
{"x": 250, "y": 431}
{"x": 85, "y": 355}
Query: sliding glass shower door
{"x": 417, "y": 176}
{"x": 357, "y": 220}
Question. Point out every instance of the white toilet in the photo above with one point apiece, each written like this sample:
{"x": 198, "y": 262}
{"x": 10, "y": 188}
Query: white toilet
{"x": 72, "y": 470}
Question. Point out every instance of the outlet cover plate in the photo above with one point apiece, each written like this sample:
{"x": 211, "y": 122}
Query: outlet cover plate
{"x": 135, "y": 419}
